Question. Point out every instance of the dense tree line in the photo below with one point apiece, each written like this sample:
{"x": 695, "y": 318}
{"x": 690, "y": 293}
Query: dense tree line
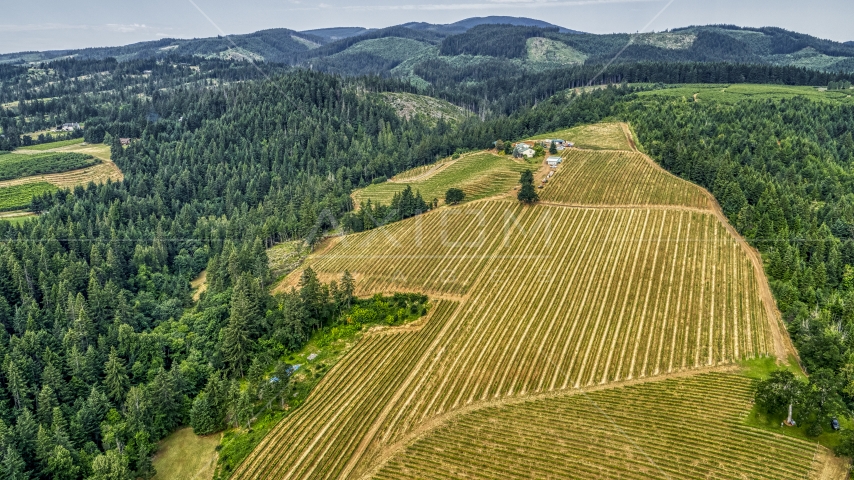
{"x": 103, "y": 351}
{"x": 404, "y": 204}
{"x": 75, "y": 91}
{"x": 495, "y": 89}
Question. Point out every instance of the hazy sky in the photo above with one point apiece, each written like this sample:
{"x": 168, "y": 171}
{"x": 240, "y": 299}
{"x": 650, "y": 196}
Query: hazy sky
{"x": 54, "y": 24}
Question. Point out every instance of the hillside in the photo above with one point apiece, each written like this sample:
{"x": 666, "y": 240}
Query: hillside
{"x": 570, "y": 436}
{"x": 540, "y": 304}
{"x": 274, "y": 45}
{"x": 502, "y": 38}
{"x": 478, "y": 175}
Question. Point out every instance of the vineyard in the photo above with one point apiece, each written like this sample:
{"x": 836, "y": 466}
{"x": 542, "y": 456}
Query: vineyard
{"x": 697, "y": 433}
{"x": 478, "y": 175}
{"x": 97, "y": 171}
{"x": 618, "y": 178}
{"x": 553, "y": 298}
{"x": 599, "y": 136}
{"x": 25, "y": 165}
{"x": 19, "y": 196}
{"x": 539, "y": 303}
{"x": 347, "y": 400}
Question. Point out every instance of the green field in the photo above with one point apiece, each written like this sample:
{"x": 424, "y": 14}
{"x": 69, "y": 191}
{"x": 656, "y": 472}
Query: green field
{"x": 17, "y": 220}
{"x": 183, "y": 454}
{"x": 52, "y": 145}
{"x": 17, "y": 165}
{"x": 732, "y": 94}
{"x": 19, "y": 196}
{"x": 479, "y": 175}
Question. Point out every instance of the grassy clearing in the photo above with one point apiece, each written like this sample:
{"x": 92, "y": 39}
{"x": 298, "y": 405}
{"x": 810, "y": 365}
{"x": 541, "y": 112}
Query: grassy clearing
{"x": 185, "y": 455}
{"x": 17, "y": 197}
{"x": 479, "y": 175}
{"x": 286, "y": 256}
{"x": 600, "y": 136}
{"x": 199, "y": 285}
{"x": 389, "y": 48}
{"x": 26, "y": 165}
{"x": 544, "y": 50}
{"x": 685, "y": 428}
{"x": 97, "y": 150}
{"x": 734, "y": 93}
{"x": 52, "y": 145}
{"x": 617, "y": 178}
{"x": 409, "y": 105}
{"x": 760, "y": 369}
{"x": 17, "y": 217}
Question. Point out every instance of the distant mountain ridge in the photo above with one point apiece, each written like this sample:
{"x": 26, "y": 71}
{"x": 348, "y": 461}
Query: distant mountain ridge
{"x": 466, "y": 50}
{"x": 463, "y": 26}
{"x": 337, "y": 33}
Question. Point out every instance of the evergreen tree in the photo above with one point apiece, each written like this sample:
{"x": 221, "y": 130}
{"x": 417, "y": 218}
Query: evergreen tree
{"x": 111, "y": 465}
{"x": 527, "y": 193}
{"x": 202, "y": 415}
{"x": 237, "y": 343}
{"x": 13, "y": 466}
{"x": 115, "y": 378}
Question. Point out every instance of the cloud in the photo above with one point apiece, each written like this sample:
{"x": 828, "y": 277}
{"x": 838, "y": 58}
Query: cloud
{"x": 126, "y": 28}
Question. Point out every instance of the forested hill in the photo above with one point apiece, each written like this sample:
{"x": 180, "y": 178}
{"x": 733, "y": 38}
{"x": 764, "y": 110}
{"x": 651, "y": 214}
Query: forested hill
{"x": 102, "y": 350}
{"x": 519, "y": 43}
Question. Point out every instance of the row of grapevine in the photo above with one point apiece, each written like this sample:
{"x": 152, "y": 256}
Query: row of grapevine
{"x": 614, "y": 295}
{"x": 679, "y": 428}
{"x": 618, "y": 178}
{"x": 439, "y": 252}
{"x": 318, "y": 439}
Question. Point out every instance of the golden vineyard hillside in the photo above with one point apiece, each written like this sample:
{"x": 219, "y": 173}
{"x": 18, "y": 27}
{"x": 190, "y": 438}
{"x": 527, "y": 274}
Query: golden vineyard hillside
{"x": 605, "y": 320}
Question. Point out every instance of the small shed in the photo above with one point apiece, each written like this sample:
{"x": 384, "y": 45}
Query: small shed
{"x": 553, "y": 161}
{"x": 124, "y": 141}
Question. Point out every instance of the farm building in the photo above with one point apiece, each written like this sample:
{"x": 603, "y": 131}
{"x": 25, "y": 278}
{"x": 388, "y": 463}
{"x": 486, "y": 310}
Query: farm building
{"x": 124, "y": 141}
{"x": 69, "y": 127}
{"x": 553, "y": 161}
{"x": 523, "y": 150}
